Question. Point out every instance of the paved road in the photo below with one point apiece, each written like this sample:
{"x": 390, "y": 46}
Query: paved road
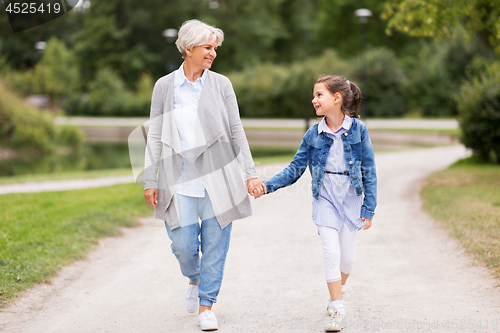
{"x": 267, "y": 123}
{"x": 408, "y": 276}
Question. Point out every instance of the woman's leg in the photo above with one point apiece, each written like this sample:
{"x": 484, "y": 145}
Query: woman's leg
{"x": 214, "y": 247}
{"x": 185, "y": 239}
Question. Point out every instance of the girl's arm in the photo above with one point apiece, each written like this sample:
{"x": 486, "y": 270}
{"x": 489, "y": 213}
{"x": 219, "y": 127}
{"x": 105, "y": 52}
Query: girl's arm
{"x": 292, "y": 172}
{"x": 369, "y": 176}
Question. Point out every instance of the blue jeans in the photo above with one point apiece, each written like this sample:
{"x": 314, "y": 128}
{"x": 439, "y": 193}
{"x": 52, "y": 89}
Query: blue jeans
{"x": 214, "y": 242}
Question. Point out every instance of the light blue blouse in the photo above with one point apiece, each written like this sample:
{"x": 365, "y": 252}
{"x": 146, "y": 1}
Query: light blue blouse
{"x": 186, "y": 101}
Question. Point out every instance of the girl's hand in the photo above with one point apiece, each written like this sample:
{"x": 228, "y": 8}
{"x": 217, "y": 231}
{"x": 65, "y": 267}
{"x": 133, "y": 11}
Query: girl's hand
{"x": 368, "y": 223}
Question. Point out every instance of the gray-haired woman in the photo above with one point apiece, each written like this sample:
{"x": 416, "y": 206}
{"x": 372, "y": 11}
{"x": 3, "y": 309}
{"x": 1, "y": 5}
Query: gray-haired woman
{"x": 197, "y": 141}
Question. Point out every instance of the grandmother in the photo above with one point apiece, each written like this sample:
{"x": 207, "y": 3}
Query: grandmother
{"x": 198, "y": 165}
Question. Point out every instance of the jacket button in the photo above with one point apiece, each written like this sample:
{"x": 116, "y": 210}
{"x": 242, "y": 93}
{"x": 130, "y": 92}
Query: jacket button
{"x": 360, "y": 191}
{"x": 345, "y": 134}
{"x": 348, "y": 148}
{"x": 350, "y": 162}
{"x": 354, "y": 177}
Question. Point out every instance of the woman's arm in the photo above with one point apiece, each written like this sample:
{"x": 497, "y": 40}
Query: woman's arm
{"x": 369, "y": 176}
{"x": 238, "y": 136}
{"x": 153, "y": 145}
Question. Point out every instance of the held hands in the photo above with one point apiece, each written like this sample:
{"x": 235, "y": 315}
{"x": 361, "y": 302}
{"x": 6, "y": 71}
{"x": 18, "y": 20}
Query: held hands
{"x": 368, "y": 223}
{"x": 256, "y": 187}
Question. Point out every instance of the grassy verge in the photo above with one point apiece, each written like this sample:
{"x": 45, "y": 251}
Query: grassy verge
{"x": 41, "y": 232}
{"x": 466, "y": 199}
{"x": 65, "y": 175}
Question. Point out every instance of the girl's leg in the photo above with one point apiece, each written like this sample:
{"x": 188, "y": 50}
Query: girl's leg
{"x": 331, "y": 252}
{"x": 347, "y": 240}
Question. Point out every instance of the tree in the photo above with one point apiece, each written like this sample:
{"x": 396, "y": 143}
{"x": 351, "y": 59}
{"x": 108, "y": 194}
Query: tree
{"x": 438, "y": 18}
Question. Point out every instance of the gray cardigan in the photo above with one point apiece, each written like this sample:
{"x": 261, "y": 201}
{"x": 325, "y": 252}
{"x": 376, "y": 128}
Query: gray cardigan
{"x": 221, "y": 148}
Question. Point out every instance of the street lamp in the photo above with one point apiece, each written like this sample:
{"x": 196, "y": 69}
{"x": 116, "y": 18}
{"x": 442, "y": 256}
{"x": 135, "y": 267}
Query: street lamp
{"x": 170, "y": 35}
{"x": 363, "y": 14}
{"x": 40, "y": 47}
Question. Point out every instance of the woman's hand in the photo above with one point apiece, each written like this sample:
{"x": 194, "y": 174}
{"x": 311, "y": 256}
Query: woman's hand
{"x": 368, "y": 223}
{"x": 151, "y": 196}
{"x": 256, "y": 187}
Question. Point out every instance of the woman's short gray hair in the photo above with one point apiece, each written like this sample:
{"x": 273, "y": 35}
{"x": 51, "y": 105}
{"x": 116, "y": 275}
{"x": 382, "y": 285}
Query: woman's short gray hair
{"x": 195, "y": 33}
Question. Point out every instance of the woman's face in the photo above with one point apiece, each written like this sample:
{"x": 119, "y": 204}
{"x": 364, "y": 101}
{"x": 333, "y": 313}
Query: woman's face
{"x": 324, "y": 102}
{"x": 202, "y": 56}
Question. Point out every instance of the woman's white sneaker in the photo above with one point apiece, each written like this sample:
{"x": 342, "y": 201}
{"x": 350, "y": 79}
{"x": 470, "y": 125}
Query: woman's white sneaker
{"x": 191, "y": 298}
{"x": 207, "y": 321}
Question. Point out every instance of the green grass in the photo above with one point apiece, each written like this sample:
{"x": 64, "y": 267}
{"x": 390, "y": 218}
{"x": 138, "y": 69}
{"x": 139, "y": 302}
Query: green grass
{"x": 65, "y": 175}
{"x": 41, "y": 232}
{"x": 465, "y": 198}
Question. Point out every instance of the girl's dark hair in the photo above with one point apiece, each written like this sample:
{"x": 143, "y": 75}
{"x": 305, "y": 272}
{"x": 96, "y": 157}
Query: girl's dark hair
{"x": 351, "y": 95}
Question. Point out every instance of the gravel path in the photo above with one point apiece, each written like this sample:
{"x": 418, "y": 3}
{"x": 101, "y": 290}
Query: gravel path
{"x": 409, "y": 275}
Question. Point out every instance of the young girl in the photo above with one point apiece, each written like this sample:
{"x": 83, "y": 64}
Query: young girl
{"x": 340, "y": 157}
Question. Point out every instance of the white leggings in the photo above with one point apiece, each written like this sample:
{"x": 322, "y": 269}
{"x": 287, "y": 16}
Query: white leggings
{"x": 339, "y": 249}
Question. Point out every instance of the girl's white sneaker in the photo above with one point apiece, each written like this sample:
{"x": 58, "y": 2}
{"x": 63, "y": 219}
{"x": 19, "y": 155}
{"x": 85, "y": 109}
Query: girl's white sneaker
{"x": 207, "y": 321}
{"x": 335, "y": 322}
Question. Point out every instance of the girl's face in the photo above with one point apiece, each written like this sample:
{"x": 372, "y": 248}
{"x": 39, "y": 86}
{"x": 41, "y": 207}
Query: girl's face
{"x": 324, "y": 101}
{"x": 202, "y": 56}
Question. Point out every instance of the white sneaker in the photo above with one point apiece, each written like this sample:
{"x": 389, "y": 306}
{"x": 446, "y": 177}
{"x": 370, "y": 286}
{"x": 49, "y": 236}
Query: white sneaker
{"x": 207, "y": 321}
{"x": 191, "y": 298}
{"x": 335, "y": 322}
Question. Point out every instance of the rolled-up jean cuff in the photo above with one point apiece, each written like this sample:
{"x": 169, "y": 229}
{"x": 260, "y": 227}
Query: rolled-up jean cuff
{"x": 205, "y": 302}
{"x": 195, "y": 282}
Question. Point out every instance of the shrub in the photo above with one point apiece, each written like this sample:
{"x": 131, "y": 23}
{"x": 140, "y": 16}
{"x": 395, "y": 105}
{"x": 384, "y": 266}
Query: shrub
{"x": 479, "y": 114}
{"x": 27, "y": 129}
{"x": 278, "y": 91}
{"x": 382, "y": 82}
{"x": 108, "y": 96}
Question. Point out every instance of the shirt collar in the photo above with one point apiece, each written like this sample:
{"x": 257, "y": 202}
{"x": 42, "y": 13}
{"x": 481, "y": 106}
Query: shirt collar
{"x": 180, "y": 78}
{"x": 323, "y": 127}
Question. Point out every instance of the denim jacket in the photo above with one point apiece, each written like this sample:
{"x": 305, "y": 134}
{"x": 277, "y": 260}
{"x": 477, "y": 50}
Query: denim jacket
{"x": 313, "y": 152}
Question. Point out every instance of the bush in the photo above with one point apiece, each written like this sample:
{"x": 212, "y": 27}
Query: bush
{"x": 479, "y": 114}
{"x": 383, "y": 84}
{"x": 283, "y": 91}
{"x": 108, "y": 96}
{"x": 435, "y": 71}
{"x": 27, "y": 129}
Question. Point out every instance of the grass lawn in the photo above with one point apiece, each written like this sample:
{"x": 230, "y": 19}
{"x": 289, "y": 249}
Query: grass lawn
{"x": 466, "y": 199}
{"x": 41, "y": 232}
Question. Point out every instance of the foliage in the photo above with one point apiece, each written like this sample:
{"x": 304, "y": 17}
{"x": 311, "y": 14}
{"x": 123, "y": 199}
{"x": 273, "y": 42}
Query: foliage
{"x": 286, "y": 91}
{"x": 438, "y": 19}
{"x": 479, "y": 111}
{"x": 382, "y": 82}
{"x": 436, "y": 70}
{"x": 108, "y": 96}
{"x": 283, "y": 91}
{"x": 28, "y": 129}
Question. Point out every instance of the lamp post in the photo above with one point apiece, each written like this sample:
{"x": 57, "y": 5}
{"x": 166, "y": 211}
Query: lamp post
{"x": 40, "y": 47}
{"x": 363, "y": 14}
{"x": 170, "y": 35}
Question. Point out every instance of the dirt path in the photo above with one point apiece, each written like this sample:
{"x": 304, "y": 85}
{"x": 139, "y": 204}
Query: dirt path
{"x": 408, "y": 277}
